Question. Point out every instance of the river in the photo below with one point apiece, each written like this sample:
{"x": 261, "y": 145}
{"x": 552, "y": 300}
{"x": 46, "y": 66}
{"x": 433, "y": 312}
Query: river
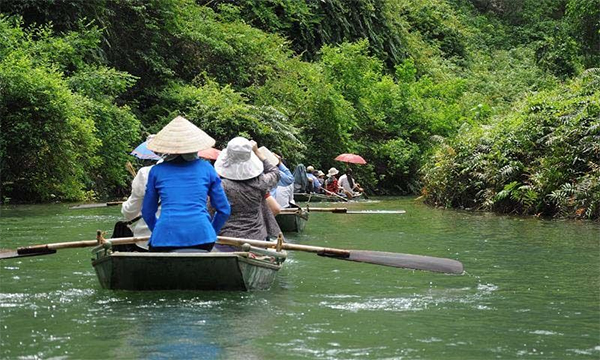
{"x": 531, "y": 291}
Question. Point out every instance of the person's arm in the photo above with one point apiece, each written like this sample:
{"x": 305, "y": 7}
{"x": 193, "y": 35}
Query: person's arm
{"x": 273, "y": 205}
{"x": 218, "y": 201}
{"x": 286, "y": 176}
{"x": 150, "y": 203}
{"x": 270, "y": 175}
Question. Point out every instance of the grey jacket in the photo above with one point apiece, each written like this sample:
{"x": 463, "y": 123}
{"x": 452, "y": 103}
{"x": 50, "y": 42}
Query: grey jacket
{"x": 246, "y": 198}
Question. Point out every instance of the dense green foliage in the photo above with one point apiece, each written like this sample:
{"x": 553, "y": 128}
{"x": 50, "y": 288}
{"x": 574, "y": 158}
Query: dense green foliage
{"x": 398, "y": 81}
{"x": 62, "y": 132}
{"x": 542, "y": 159}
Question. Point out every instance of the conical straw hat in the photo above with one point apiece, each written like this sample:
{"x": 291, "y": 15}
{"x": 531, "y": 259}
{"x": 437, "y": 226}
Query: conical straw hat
{"x": 180, "y": 137}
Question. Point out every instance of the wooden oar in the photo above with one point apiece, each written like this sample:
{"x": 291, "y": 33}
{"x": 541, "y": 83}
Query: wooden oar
{"x": 45, "y": 249}
{"x": 416, "y": 262}
{"x": 95, "y": 205}
{"x": 336, "y": 195}
{"x": 407, "y": 261}
{"x": 343, "y": 211}
{"x": 130, "y": 169}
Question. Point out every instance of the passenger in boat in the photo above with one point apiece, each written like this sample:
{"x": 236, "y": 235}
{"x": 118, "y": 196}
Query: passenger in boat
{"x": 321, "y": 178}
{"x": 301, "y": 184}
{"x": 247, "y": 177}
{"x": 313, "y": 180}
{"x": 182, "y": 183}
{"x": 283, "y": 193}
{"x": 331, "y": 184}
{"x": 132, "y": 208}
{"x": 349, "y": 186}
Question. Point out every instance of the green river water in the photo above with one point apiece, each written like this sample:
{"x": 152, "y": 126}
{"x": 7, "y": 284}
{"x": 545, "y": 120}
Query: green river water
{"x": 531, "y": 291}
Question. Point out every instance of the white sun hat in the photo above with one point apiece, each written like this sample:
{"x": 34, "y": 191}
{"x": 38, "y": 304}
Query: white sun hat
{"x": 333, "y": 171}
{"x": 180, "y": 136}
{"x": 238, "y": 162}
{"x": 271, "y": 158}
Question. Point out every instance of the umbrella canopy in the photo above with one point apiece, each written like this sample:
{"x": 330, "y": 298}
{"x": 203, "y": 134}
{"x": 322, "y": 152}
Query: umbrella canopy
{"x": 142, "y": 152}
{"x": 351, "y": 159}
{"x": 209, "y": 154}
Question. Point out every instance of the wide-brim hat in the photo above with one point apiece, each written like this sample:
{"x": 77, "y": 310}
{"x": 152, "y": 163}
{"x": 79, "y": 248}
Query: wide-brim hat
{"x": 180, "y": 136}
{"x": 271, "y": 158}
{"x": 238, "y": 162}
{"x": 333, "y": 171}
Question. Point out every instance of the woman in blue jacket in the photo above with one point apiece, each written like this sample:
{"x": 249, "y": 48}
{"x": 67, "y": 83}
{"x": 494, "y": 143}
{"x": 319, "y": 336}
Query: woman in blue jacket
{"x": 182, "y": 183}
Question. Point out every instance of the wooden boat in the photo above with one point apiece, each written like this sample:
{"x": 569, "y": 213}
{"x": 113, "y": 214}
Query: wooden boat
{"x": 293, "y": 221}
{"x": 250, "y": 269}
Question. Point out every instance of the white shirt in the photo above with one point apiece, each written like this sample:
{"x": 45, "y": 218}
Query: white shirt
{"x": 133, "y": 206}
{"x": 344, "y": 183}
{"x": 285, "y": 195}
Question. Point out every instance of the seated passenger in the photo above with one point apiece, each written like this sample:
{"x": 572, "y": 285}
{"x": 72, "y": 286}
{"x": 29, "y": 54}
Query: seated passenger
{"x": 247, "y": 177}
{"x": 182, "y": 183}
{"x": 132, "y": 208}
{"x": 301, "y": 184}
{"x": 331, "y": 184}
{"x": 314, "y": 184}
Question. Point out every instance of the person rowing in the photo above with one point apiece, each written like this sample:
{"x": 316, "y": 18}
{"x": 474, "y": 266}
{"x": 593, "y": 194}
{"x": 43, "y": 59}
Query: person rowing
{"x": 349, "y": 186}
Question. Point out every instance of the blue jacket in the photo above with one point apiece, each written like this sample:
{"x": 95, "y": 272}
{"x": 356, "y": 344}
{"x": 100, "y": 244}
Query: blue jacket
{"x": 182, "y": 188}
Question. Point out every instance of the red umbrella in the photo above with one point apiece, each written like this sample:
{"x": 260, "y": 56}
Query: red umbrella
{"x": 209, "y": 154}
{"x": 351, "y": 159}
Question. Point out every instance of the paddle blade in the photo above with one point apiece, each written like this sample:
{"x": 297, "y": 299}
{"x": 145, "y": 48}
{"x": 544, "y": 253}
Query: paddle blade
{"x": 10, "y": 254}
{"x": 406, "y": 261}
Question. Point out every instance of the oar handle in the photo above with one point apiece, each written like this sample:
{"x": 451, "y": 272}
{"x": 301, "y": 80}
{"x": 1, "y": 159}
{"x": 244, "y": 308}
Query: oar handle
{"x": 290, "y": 211}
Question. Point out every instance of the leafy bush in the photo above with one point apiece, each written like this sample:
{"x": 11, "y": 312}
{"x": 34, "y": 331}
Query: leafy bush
{"x": 543, "y": 159}
{"x": 62, "y": 133}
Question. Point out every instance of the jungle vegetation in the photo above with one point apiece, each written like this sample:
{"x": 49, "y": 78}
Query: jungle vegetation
{"x": 480, "y": 104}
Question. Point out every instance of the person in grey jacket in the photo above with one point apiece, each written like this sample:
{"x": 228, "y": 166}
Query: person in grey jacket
{"x": 246, "y": 178}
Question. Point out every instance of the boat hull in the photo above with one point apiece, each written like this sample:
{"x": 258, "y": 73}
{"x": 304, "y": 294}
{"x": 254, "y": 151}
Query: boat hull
{"x": 292, "y": 222}
{"x": 301, "y": 197}
{"x": 235, "y": 271}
